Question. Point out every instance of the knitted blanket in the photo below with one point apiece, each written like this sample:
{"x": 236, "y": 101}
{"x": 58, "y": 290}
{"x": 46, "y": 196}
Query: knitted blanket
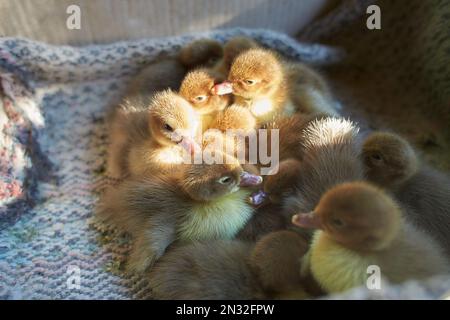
{"x": 52, "y": 156}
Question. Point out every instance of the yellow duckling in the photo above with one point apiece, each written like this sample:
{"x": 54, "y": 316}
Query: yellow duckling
{"x": 361, "y": 226}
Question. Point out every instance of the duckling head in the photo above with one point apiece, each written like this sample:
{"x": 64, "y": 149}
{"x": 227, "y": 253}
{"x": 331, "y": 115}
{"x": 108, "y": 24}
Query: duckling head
{"x": 173, "y": 120}
{"x": 208, "y": 182}
{"x": 234, "y": 47}
{"x": 198, "y": 88}
{"x": 356, "y": 215}
{"x": 388, "y": 158}
{"x": 254, "y": 73}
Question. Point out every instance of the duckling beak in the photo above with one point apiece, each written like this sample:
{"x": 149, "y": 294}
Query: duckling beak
{"x": 257, "y": 198}
{"x": 188, "y": 144}
{"x": 307, "y": 220}
{"x": 220, "y": 89}
{"x": 249, "y": 180}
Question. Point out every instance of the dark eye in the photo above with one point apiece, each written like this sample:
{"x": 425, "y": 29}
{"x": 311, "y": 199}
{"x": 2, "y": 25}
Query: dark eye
{"x": 225, "y": 180}
{"x": 337, "y": 222}
{"x": 168, "y": 128}
{"x": 249, "y": 82}
{"x": 376, "y": 157}
{"x": 200, "y": 98}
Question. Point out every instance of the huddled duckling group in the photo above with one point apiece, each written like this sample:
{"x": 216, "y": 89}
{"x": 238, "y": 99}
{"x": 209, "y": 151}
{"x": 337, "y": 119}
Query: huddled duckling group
{"x": 337, "y": 203}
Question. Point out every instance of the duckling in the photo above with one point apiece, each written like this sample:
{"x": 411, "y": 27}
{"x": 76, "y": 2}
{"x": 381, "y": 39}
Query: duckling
{"x": 236, "y": 118}
{"x": 276, "y": 261}
{"x": 194, "y": 202}
{"x": 392, "y": 163}
{"x": 259, "y": 83}
{"x": 211, "y": 54}
{"x": 231, "y": 50}
{"x": 361, "y": 226}
{"x": 197, "y": 89}
{"x": 389, "y": 159}
{"x": 151, "y": 135}
{"x": 290, "y": 133}
{"x": 231, "y": 269}
{"x": 283, "y": 183}
{"x": 329, "y": 155}
{"x": 308, "y": 90}
{"x": 160, "y": 75}
{"x": 201, "y": 53}
{"x": 218, "y": 269}
{"x": 266, "y": 219}
{"x": 270, "y": 87}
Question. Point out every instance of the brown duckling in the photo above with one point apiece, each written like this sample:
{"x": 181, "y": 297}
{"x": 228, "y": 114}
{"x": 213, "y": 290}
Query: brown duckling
{"x": 282, "y": 184}
{"x": 276, "y": 261}
{"x": 201, "y": 53}
{"x": 217, "y": 269}
{"x": 160, "y": 75}
{"x": 231, "y": 50}
{"x": 361, "y": 226}
{"x": 308, "y": 90}
{"x": 194, "y": 202}
{"x": 211, "y": 54}
{"x": 224, "y": 269}
{"x": 151, "y": 136}
{"x": 389, "y": 159}
{"x": 392, "y": 163}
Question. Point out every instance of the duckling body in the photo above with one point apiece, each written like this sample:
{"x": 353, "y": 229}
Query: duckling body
{"x": 308, "y": 91}
{"x": 193, "y": 202}
{"x": 160, "y": 75}
{"x": 147, "y": 156}
{"x": 221, "y": 219}
{"x": 201, "y": 53}
{"x": 206, "y": 270}
{"x": 235, "y": 117}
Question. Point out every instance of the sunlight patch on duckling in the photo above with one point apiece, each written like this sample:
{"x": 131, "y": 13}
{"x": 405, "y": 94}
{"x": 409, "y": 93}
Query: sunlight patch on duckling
{"x": 170, "y": 155}
{"x": 261, "y": 107}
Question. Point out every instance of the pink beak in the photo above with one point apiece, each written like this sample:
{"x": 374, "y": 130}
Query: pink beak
{"x": 249, "y": 180}
{"x": 307, "y": 220}
{"x": 222, "y": 88}
{"x": 188, "y": 144}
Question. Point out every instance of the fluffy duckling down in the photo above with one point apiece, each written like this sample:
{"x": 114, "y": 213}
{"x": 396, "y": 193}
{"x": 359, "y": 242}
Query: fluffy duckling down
{"x": 361, "y": 226}
{"x": 194, "y": 202}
